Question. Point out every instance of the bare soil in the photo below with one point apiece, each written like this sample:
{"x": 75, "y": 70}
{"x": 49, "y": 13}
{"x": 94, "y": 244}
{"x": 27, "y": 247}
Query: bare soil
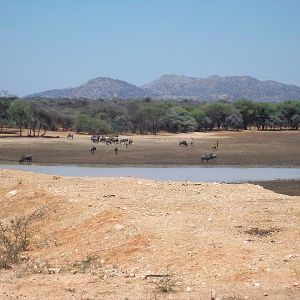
{"x": 124, "y": 238}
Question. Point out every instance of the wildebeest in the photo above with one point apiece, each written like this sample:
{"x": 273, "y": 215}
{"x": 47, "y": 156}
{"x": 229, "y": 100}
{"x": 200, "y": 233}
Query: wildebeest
{"x": 25, "y": 158}
{"x": 114, "y": 140}
{"x": 70, "y": 136}
{"x": 95, "y": 138}
{"x": 130, "y": 141}
{"x": 208, "y": 157}
{"x": 123, "y": 141}
{"x": 116, "y": 150}
{"x": 183, "y": 143}
{"x": 93, "y": 149}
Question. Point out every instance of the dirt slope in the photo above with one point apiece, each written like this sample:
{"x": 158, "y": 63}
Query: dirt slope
{"x": 104, "y": 238}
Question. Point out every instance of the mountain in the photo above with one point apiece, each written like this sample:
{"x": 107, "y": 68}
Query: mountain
{"x": 222, "y": 88}
{"x": 181, "y": 87}
{"x": 100, "y": 87}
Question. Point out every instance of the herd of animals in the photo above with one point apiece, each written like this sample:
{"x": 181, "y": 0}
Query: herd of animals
{"x": 108, "y": 140}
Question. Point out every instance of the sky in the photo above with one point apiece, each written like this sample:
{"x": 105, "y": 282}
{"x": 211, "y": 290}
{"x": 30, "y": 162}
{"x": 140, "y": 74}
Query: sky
{"x": 47, "y": 44}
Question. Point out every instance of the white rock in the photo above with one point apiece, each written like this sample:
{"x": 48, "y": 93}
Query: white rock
{"x": 12, "y": 193}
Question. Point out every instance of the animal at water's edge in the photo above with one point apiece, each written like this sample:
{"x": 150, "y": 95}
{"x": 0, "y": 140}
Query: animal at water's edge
{"x": 116, "y": 150}
{"x": 25, "y": 158}
{"x": 183, "y": 143}
{"x": 208, "y": 157}
{"x": 192, "y": 142}
{"x": 70, "y": 136}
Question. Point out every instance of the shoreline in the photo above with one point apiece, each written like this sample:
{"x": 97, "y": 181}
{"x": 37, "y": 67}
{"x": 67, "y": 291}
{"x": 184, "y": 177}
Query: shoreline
{"x": 282, "y": 186}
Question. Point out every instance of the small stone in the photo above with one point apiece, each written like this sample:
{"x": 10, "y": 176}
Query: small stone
{"x": 256, "y": 284}
{"x": 12, "y": 193}
{"x": 265, "y": 294}
{"x": 188, "y": 289}
{"x": 296, "y": 284}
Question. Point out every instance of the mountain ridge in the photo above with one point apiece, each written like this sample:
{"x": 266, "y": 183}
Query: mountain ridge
{"x": 172, "y": 86}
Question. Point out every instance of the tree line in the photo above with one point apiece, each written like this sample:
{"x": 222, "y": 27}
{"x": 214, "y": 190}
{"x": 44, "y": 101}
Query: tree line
{"x": 145, "y": 115}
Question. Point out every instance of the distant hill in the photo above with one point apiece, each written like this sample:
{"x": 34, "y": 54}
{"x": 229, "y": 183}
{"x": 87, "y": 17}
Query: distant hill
{"x": 222, "y": 88}
{"x": 100, "y": 87}
{"x": 181, "y": 87}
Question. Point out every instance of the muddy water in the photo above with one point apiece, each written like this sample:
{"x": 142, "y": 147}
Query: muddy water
{"x": 194, "y": 174}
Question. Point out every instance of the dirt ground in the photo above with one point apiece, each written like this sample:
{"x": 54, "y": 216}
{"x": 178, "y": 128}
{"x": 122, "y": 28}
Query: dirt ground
{"x": 124, "y": 238}
{"x": 246, "y": 148}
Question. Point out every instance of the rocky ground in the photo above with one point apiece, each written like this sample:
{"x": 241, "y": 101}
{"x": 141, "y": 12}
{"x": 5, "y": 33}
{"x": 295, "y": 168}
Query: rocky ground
{"x": 125, "y": 238}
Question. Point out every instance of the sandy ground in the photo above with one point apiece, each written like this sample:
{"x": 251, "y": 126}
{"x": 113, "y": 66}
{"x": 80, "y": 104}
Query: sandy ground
{"x": 124, "y": 238}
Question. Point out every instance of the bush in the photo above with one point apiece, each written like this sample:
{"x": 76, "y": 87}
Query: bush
{"x": 14, "y": 237}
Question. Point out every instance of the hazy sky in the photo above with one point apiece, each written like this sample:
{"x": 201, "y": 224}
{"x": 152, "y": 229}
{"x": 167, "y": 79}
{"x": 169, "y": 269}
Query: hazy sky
{"x": 46, "y": 44}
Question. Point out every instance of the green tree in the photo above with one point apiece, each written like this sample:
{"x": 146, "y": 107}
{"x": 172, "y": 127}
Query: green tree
{"x": 154, "y": 113}
{"x": 263, "y": 113}
{"x": 217, "y": 112}
{"x": 19, "y": 113}
{"x": 247, "y": 109}
{"x": 200, "y": 116}
{"x": 91, "y": 125}
{"x": 4, "y": 117}
{"x": 179, "y": 120}
{"x": 234, "y": 120}
{"x": 290, "y": 110}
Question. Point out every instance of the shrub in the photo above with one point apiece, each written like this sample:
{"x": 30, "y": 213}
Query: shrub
{"x": 14, "y": 237}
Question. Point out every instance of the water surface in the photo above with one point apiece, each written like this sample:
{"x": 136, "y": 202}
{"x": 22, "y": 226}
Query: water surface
{"x": 194, "y": 174}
